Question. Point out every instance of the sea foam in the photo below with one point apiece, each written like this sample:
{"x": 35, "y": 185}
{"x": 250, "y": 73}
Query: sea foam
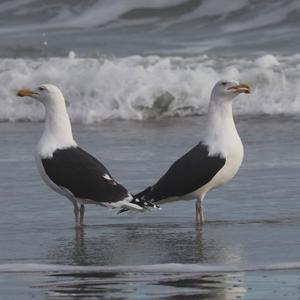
{"x": 155, "y": 268}
{"x": 139, "y": 88}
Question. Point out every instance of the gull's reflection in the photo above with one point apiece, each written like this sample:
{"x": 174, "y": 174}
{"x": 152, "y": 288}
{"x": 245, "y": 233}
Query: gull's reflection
{"x": 140, "y": 245}
{"x": 207, "y": 286}
{"x": 79, "y": 252}
{"x": 143, "y": 244}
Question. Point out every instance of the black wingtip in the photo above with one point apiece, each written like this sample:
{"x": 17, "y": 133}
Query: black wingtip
{"x": 142, "y": 203}
{"x": 138, "y": 199}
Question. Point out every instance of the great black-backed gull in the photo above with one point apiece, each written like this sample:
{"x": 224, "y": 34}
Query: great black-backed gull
{"x": 67, "y": 168}
{"x": 211, "y": 163}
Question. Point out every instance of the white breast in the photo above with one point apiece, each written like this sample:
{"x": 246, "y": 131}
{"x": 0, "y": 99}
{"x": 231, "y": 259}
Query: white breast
{"x": 222, "y": 138}
{"x": 233, "y": 152}
{"x": 233, "y": 162}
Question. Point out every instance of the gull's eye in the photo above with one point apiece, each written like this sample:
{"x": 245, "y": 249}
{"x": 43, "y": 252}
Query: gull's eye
{"x": 41, "y": 88}
{"x": 223, "y": 83}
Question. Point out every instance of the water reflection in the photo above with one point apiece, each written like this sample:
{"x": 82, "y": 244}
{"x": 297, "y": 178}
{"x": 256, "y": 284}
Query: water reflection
{"x": 140, "y": 285}
{"x": 144, "y": 244}
{"x": 207, "y": 286}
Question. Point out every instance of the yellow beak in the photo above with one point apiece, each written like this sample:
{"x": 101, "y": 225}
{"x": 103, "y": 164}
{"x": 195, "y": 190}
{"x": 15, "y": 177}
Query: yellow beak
{"x": 241, "y": 88}
{"x": 25, "y": 92}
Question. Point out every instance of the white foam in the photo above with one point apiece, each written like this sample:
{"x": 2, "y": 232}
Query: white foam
{"x": 138, "y": 88}
{"x": 267, "y": 61}
{"x": 156, "y": 268}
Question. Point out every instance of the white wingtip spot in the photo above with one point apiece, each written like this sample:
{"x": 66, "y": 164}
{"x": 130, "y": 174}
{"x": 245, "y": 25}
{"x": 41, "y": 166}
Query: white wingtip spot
{"x": 106, "y": 176}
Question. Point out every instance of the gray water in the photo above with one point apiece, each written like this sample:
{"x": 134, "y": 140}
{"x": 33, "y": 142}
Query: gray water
{"x": 248, "y": 248}
{"x": 120, "y": 61}
{"x": 37, "y": 28}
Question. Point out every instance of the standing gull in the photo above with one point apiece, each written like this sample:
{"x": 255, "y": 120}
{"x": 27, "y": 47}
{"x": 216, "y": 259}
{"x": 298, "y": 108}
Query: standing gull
{"x": 67, "y": 168}
{"x": 211, "y": 163}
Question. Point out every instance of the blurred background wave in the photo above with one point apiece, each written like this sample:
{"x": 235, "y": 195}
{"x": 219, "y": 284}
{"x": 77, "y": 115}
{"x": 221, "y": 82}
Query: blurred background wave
{"x": 135, "y": 59}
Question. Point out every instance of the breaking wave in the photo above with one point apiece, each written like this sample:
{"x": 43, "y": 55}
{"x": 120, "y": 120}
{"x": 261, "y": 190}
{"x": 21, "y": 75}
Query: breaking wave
{"x": 139, "y": 88}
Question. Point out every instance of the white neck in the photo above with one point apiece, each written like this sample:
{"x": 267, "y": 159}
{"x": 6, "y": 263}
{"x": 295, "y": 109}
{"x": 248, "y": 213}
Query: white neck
{"x": 221, "y": 134}
{"x": 58, "y": 132}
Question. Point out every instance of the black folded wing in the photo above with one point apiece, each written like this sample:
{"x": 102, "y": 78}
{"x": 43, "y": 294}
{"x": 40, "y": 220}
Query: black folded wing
{"x": 190, "y": 172}
{"x": 83, "y": 175}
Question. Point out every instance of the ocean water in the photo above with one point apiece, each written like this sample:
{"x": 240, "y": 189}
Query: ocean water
{"x": 137, "y": 77}
{"x": 137, "y": 60}
{"x": 143, "y": 88}
{"x": 164, "y": 27}
{"x": 249, "y": 247}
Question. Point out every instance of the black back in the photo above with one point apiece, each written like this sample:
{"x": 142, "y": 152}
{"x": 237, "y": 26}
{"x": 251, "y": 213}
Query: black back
{"x": 186, "y": 175}
{"x": 82, "y": 174}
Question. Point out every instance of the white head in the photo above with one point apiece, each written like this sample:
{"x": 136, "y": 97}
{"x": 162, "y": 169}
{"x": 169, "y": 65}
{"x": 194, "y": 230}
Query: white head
{"x": 45, "y": 93}
{"x": 225, "y": 90}
{"x": 221, "y": 134}
{"x": 58, "y": 131}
